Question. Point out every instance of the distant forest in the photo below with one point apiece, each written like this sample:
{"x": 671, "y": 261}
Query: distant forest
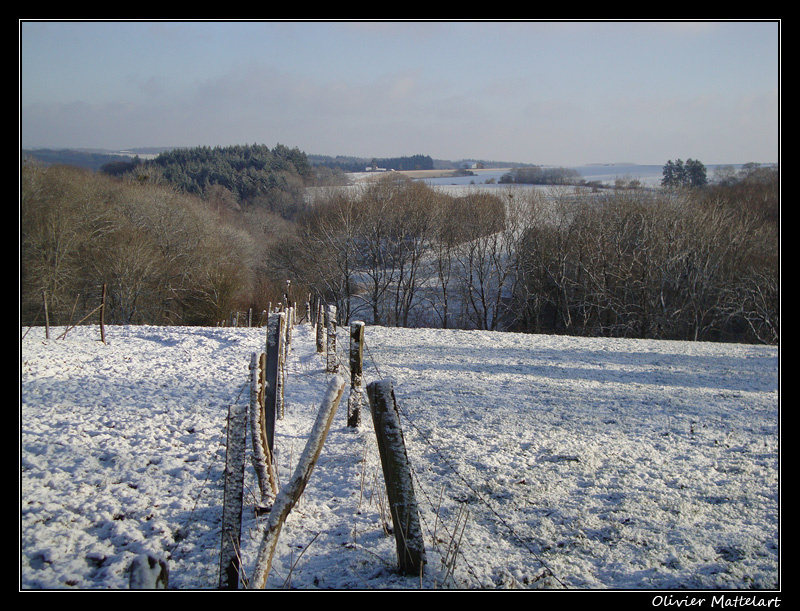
{"x": 359, "y": 164}
{"x": 239, "y": 175}
{"x": 116, "y": 163}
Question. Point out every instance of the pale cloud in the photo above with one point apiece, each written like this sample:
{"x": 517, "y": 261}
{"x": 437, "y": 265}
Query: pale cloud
{"x": 533, "y": 92}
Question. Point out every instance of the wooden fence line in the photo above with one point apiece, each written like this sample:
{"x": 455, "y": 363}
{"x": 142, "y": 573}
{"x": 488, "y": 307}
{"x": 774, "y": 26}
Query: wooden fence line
{"x": 70, "y": 326}
{"x": 267, "y": 379}
{"x": 266, "y": 404}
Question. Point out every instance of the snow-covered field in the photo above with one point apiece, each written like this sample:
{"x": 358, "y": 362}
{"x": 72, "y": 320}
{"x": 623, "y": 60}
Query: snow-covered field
{"x": 539, "y": 461}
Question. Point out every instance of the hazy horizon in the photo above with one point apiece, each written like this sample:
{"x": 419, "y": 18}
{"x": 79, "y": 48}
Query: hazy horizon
{"x": 550, "y": 93}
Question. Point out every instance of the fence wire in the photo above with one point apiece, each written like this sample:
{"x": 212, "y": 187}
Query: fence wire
{"x": 500, "y": 519}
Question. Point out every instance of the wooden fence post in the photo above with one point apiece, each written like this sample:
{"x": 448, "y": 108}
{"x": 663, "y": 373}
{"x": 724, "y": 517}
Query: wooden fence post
{"x": 355, "y": 399}
{"x": 289, "y": 329}
{"x": 273, "y": 385}
{"x": 46, "y": 316}
{"x": 279, "y": 404}
{"x": 397, "y": 476}
{"x": 230, "y": 557}
{"x": 320, "y": 328}
{"x": 103, "y": 315}
{"x": 148, "y": 572}
{"x": 262, "y": 461}
{"x": 330, "y": 327}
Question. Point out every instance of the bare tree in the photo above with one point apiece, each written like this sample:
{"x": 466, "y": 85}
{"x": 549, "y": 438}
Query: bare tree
{"x": 485, "y": 258}
{"x": 165, "y": 257}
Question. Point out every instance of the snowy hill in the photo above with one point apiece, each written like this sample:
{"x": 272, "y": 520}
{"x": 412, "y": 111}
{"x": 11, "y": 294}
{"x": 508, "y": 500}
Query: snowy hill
{"x": 539, "y": 461}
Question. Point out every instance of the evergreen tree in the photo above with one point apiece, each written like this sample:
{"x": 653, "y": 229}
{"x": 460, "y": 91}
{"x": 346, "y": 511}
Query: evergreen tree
{"x": 695, "y": 173}
{"x": 668, "y": 174}
{"x": 253, "y": 174}
{"x": 679, "y": 174}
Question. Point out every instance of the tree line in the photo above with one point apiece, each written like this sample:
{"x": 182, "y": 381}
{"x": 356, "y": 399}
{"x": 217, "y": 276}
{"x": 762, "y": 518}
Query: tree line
{"x": 696, "y": 264}
{"x": 166, "y": 257}
{"x": 535, "y": 175}
{"x": 239, "y": 175}
{"x": 690, "y": 266}
{"x": 358, "y": 164}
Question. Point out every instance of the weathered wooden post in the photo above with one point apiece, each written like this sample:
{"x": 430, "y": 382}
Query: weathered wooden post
{"x": 148, "y": 572}
{"x": 330, "y": 328}
{"x": 397, "y": 476}
{"x": 46, "y": 316}
{"x": 103, "y": 315}
{"x": 289, "y": 329}
{"x": 229, "y": 557}
{"x": 272, "y": 378}
{"x": 262, "y": 461}
{"x": 279, "y": 405}
{"x": 355, "y": 399}
{"x": 320, "y": 328}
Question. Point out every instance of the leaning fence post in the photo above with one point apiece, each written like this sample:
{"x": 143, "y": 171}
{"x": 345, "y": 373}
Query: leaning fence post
{"x": 330, "y": 326}
{"x": 397, "y": 476}
{"x": 356, "y": 374}
{"x": 291, "y": 492}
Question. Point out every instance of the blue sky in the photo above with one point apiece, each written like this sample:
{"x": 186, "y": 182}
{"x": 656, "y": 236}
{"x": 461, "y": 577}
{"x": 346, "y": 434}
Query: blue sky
{"x": 563, "y": 93}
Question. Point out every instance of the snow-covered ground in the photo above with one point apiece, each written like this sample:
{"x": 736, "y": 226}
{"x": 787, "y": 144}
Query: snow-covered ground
{"x": 539, "y": 461}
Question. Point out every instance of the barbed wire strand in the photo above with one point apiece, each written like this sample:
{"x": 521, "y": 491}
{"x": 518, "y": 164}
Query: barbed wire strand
{"x": 466, "y": 483}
